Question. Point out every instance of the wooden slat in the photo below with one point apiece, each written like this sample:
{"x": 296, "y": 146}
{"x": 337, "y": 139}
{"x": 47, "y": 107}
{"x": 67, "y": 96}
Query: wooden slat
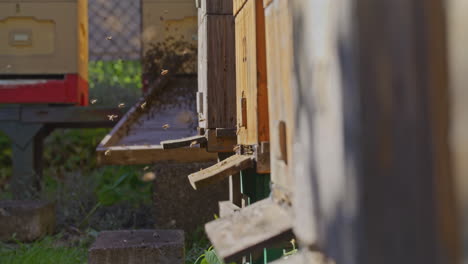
{"x": 227, "y": 208}
{"x": 70, "y": 114}
{"x": 150, "y": 154}
{"x": 278, "y": 22}
{"x": 458, "y": 63}
{"x": 226, "y": 132}
{"x": 237, "y": 6}
{"x": 252, "y": 228}
{"x": 304, "y": 257}
{"x": 216, "y": 72}
{"x": 9, "y": 113}
{"x": 220, "y": 144}
{"x": 251, "y": 82}
{"x": 216, "y": 7}
{"x": 220, "y": 170}
{"x": 183, "y": 142}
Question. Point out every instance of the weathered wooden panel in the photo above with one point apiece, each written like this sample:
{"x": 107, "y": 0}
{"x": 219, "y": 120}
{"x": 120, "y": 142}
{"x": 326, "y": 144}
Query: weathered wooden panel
{"x": 237, "y": 5}
{"x": 149, "y": 154}
{"x": 304, "y": 257}
{"x": 254, "y": 227}
{"x": 227, "y": 208}
{"x": 220, "y": 171}
{"x": 251, "y": 74}
{"x": 371, "y": 141}
{"x": 458, "y": 79}
{"x": 183, "y": 142}
{"x": 216, "y": 68}
{"x": 216, "y": 7}
{"x": 278, "y": 24}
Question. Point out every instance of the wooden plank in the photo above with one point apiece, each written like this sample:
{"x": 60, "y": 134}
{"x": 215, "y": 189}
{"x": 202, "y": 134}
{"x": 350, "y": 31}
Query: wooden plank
{"x": 304, "y": 256}
{"x": 266, "y": 3}
{"x": 262, "y": 157}
{"x": 9, "y": 113}
{"x": 183, "y": 142}
{"x": 216, "y": 68}
{"x": 458, "y": 64}
{"x": 251, "y": 74}
{"x": 227, "y": 208}
{"x": 216, "y": 7}
{"x": 219, "y": 144}
{"x": 220, "y": 171}
{"x": 278, "y": 22}
{"x": 226, "y": 132}
{"x": 70, "y": 114}
{"x": 237, "y": 6}
{"x": 134, "y": 155}
{"x": 372, "y": 145}
{"x": 254, "y": 227}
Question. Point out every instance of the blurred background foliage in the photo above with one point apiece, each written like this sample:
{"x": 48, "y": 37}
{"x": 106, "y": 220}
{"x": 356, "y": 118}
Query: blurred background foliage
{"x": 88, "y": 196}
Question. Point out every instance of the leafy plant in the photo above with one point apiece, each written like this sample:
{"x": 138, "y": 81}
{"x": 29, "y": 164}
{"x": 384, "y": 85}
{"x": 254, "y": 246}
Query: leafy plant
{"x": 115, "y": 82}
{"x": 44, "y": 251}
{"x": 210, "y": 257}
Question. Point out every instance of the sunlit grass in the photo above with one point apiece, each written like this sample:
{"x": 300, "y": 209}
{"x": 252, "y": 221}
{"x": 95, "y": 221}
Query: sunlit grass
{"x": 42, "y": 252}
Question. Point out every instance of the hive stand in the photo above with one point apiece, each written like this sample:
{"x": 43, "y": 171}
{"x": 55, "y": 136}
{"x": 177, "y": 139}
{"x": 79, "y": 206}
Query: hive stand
{"x": 28, "y": 126}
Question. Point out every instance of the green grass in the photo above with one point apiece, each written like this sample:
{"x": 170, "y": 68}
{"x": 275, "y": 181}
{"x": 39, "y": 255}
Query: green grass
{"x": 42, "y": 252}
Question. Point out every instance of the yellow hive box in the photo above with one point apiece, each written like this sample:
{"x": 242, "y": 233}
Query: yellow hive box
{"x": 44, "y": 51}
{"x": 44, "y": 37}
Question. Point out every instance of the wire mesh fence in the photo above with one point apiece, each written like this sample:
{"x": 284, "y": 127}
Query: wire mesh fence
{"x": 114, "y": 29}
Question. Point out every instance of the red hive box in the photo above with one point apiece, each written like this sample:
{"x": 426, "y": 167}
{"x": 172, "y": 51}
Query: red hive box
{"x": 44, "y": 52}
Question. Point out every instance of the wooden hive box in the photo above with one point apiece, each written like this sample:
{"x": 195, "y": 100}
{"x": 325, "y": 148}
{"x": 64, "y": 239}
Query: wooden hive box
{"x": 216, "y": 97}
{"x": 251, "y": 75}
{"x": 44, "y": 51}
{"x": 216, "y": 65}
{"x": 278, "y": 23}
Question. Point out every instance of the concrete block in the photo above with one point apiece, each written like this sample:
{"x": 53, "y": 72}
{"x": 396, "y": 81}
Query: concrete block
{"x": 138, "y": 247}
{"x": 30, "y": 220}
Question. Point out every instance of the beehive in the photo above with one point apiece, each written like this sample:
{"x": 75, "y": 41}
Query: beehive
{"x": 44, "y": 51}
{"x": 278, "y": 25}
{"x": 216, "y": 65}
{"x": 251, "y": 75}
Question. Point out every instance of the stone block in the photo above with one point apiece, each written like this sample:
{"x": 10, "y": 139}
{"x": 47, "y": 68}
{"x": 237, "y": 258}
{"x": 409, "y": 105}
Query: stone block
{"x": 29, "y": 220}
{"x": 138, "y": 247}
